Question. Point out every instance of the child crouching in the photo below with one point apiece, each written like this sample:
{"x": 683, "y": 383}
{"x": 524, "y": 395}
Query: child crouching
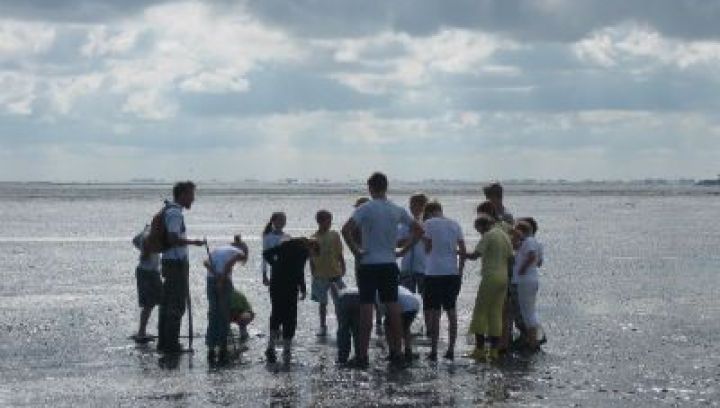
{"x": 220, "y": 289}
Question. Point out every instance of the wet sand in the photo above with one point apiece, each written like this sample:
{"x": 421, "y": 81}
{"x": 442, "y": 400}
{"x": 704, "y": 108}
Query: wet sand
{"x": 628, "y": 299}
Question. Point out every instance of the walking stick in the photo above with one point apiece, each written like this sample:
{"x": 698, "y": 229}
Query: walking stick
{"x": 190, "y": 319}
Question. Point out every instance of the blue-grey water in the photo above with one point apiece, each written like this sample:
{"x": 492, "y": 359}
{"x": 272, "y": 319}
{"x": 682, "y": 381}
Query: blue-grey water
{"x": 629, "y": 299}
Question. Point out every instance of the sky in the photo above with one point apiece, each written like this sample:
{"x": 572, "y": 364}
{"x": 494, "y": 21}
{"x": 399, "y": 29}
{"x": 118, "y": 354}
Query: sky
{"x": 334, "y": 89}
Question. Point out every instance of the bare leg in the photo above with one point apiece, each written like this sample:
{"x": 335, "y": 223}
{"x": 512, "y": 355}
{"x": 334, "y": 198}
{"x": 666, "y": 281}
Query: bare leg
{"x": 144, "y": 317}
{"x": 433, "y": 326}
{"x": 495, "y": 344}
{"x": 506, "y": 328}
{"x": 365, "y": 327}
{"x": 323, "y": 315}
{"x": 479, "y": 341}
{"x": 532, "y": 337}
{"x": 452, "y": 330}
{"x": 426, "y": 319}
{"x": 395, "y": 327}
{"x": 407, "y": 337}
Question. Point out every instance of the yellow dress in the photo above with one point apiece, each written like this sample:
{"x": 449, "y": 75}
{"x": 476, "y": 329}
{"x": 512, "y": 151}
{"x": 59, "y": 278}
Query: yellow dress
{"x": 496, "y": 252}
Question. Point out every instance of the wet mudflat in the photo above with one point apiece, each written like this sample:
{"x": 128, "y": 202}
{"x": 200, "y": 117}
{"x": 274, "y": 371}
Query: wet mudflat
{"x": 628, "y": 298}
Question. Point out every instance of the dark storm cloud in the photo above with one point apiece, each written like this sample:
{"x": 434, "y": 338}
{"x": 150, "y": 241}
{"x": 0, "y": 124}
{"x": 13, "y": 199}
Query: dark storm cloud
{"x": 562, "y": 20}
{"x": 592, "y": 90}
{"x": 73, "y": 10}
{"x": 278, "y": 90}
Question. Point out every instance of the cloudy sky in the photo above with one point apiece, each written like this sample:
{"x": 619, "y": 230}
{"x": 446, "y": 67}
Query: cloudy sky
{"x": 267, "y": 89}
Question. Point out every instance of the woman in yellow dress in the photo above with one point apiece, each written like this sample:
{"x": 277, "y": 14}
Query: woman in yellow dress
{"x": 496, "y": 252}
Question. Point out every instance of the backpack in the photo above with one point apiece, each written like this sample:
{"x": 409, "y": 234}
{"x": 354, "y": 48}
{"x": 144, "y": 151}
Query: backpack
{"x": 156, "y": 240}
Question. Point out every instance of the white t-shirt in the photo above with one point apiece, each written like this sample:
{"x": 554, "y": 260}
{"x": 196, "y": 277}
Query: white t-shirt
{"x": 528, "y": 246}
{"x": 220, "y": 257}
{"x": 407, "y": 300}
{"x": 444, "y": 234}
{"x": 378, "y": 220}
{"x": 150, "y": 262}
{"x": 175, "y": 224}
{"x": 271, "y": 240}
{"x": 414, "y": 260}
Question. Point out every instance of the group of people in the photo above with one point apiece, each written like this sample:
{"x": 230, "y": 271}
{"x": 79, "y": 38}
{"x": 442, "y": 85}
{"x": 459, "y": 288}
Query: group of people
{"x": 433, "y": 256}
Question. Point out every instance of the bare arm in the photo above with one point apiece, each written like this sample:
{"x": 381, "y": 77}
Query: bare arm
{"x": 462, "y": 252}
{"x": 174, "y": 240}
{"x": 341, "y": 260}
{"x": 407, "y": 245}
{"x": 349, "y": 231}
{"x": 531, "y": 259}
{"x": 403, "y": 242}
{"x": 417, "y": 229}
{"x": 268, "y": 259}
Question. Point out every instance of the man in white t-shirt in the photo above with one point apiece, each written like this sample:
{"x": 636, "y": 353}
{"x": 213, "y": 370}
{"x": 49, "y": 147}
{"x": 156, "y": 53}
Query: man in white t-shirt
{"x": 443, "y": 275}
{"x": 378, "y": 222}
{"x": 175, "y": 268}
{"x": 412, "y": 265}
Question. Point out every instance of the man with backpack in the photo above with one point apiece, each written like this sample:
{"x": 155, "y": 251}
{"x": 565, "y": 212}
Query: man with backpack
{"x": 168, "y": 228}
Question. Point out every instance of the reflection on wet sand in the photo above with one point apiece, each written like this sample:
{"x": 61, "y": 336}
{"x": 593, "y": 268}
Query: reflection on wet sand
{"x": 629, "y": 299}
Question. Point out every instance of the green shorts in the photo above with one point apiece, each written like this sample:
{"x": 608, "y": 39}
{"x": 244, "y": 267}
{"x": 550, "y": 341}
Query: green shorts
{"x": 239, "y": 303}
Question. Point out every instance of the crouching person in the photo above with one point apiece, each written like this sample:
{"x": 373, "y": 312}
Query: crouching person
{"x": 241, "y": 313}
{"x": 347, "y": 310}
{"x": 219, "y": 294}
{"x": 409, "y": 305}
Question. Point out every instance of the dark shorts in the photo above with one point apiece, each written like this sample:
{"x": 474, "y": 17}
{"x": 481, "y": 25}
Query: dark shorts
{"x": 441, "y": 292}
{"x": 380, "y": 279}
{"x": 412, "y": 281}
{"x": 149, "y": 287}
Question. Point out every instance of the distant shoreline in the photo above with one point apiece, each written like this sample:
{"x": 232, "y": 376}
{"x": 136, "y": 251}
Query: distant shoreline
{"x": 96, "y": 189}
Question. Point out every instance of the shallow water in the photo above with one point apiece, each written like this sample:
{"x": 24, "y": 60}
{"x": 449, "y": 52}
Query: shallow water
{"x": 628, "y": 299}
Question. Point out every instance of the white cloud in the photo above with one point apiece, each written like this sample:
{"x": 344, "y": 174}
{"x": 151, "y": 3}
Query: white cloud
{"x": 100, "y": 42}
{"x": 22, "y": 38}
{"x": 18, "y": 93}
{"x": 64, "y": 91}
{"x": 150, "y": 105}
{"x": 192, "y": 50}
{"x": 399, "y": 60}
{"x": 216, "y": 82}
{"x": 446, "y": 98}
{"x": 632, "y": 45}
